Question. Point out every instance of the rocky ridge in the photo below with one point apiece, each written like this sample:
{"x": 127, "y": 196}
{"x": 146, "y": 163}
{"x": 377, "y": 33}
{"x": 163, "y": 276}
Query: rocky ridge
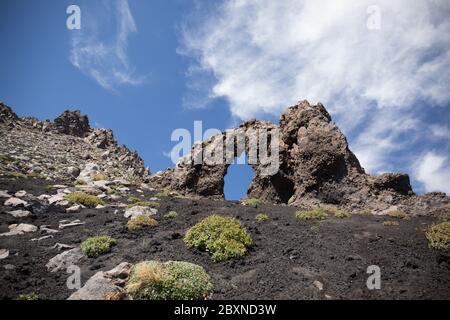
{"x": 63, "y": 148}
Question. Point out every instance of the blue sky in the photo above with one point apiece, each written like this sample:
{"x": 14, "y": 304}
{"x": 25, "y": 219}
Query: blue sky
{"x": 145, "y": 68}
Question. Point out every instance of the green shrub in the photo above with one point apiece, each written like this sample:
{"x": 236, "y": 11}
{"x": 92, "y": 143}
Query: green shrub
{"x": 262, "y": 217}
{"x": 253, "y": 202}
{"x": 100, "y": 177}
{"x": 342, "y": 214}
{"x": 438, "y": 235}
{"x": 84, "y": 199}
{"x": 166, "y": 192}
{"x": 318, "y": 214}
{"x": 140, "y": 222}
{"x": 98, "y": 245}
{"x": 173, "y": 280}
{"x": 28, "y": 296}
{"x": 80, "y": 182}
{"x": 171, "y": 214}
{"x": 390, "y": 223}
{"x": 398, "y": 214}
{"x": 135, "y": 201}
{"x": 223, "y": 237}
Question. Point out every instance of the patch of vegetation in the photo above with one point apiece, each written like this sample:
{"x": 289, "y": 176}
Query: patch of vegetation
{"x": 341, "y": 214}
{"x": 166, "y": 192}
{"x": 15, "y": 175}
{"x": 28, "y": 296}
{"x": 80, "y": 182}
{"x": 253, "y": 202}
{"x": 114, "y": 295}
{"x": 135, "y": 201}
{"x": 222, "y": 236}
{"x": 173, "y": 280}
{"x": 171, "y": 215}
{"x": 316, "y": 214}
{"x": 371, "y": 179}
{"x": 438, "y": 235}
{"x": 140, "y": 222}
{"x": 260, "y": 217}
{"x": 98, "y": 245}
{"x": 398, "y": 214}
{"x": 390, "y": 223}
{"x": 84, "y": 199}
{"x": 34, "y": 175}
{"x": 100, "y": 177}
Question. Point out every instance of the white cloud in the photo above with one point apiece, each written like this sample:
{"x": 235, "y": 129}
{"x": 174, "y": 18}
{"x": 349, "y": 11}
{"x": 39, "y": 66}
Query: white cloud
{"x": 265, "y": 55}
{"x": 100, "y": 56}
{"x": 433, "y": 170}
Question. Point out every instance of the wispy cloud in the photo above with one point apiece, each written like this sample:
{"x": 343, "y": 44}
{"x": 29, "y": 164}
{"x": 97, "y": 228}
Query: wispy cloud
{"x": 379, "y": 84}
{"x": 100, "y": 56}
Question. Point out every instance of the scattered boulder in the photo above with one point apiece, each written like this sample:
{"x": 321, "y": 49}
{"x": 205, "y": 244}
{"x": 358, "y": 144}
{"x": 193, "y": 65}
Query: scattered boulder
{"x": 15, "y": 202}
{"x": 18, "y": 229}
{"x": 20, "y": 194}
{"x": 64, "y": 260}
{"x": 72, "y": 123}
{"x": 136, "y": 211}
{"x": 4, "y": 253}
{"x": 102, "y": 284}
{"x": 395, "y": 182}
{"x": 19, "y": 213}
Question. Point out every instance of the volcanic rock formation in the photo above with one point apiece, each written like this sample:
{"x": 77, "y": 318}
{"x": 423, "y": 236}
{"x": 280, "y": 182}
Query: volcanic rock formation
{"x": 316, "y": 166}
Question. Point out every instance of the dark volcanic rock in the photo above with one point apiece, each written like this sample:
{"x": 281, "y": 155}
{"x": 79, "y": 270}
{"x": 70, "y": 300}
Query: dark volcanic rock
{"x": 6, "y": 114}
{"x": 397, "y": 182}
{"x": 73, "y": 123}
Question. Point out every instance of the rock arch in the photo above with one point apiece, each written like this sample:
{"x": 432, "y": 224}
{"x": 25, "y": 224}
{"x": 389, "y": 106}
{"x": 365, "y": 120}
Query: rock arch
{"x": 315, "y": 163}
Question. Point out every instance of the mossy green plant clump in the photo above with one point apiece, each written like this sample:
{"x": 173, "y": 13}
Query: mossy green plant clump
{"x": 171, "y": 215}
{"x": 398, "y": 214}
{"x": 314, "y": 214}
{"x": 173, "y": 280}
{"x": 84, "y": 199}
{"x": 341, "y": 214}
{"x": 438, "y": 235}
{"x": 253, "y": 202}
{"x": 261, "y": 217}
{"x": 135, "y": 201}
{"x": 100, "y": 177}
{"x": 166, "y": 192}
{"x": 97, "y": 245}
{"x": 28, "y": 296}
{"x": 140, "y": 222}
{"x": 222, "y": 236}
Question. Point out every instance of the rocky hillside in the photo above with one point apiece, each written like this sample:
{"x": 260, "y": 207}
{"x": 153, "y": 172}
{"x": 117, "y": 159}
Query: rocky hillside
{"x": 63, "y": 149}
{"x": 80, "y": 218}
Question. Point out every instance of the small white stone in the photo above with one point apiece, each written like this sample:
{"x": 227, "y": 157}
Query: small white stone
{"x": 19, "y": 213}
{"x": 74, "y": 209}
{"x": 20, "y": 194}
{"x": 139, "y": 211}
{"x": 15, "y": 202}
{"x": 4, "y": 253}
{"x": 318, "y": 285}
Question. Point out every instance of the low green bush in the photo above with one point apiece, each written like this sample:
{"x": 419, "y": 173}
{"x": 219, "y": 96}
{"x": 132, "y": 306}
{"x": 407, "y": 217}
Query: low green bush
{"x": 253, "y": 202}
{"x": 98, "y": 245}
{"x": 438, "y": 235}
{"x": 390, "y": 223}
{"x": 398, "y": 214}
{"x": 317, "y": 214}
{"x": 222, "y": 236}
{"x": 341, "y": 214}
{"x": 262, "y": 217}
{"x": 171, "y": 215}
{"x": 173, "y": 280}
{"x": 140, "y": 222}
{"x": 84, "y": 199}
{"x": 135, "y": 201}
{"x": 28, "y": 296}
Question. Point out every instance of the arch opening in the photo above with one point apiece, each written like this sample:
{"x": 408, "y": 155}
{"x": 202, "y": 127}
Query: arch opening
{"x": 238, "y": 178}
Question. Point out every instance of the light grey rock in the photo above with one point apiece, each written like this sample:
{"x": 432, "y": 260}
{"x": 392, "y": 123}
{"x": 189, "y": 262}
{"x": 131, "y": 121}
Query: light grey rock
{"x": 18, "y": 229}
{"x": 9, "y": 267}
{"x": 74, "y": 209}
{"x": 139, "y": 211}
{"x": 318, "y": 285}
{"x": 4, "y": 194}
{"x": 48, "y": 230}
{"x": 70, "y": 224}
{"x": 87, "y": 174}
{"x": 42, "y": 238}
{"x": 64, "y": 260}
{"x": 4, "y": 253}
{"x": 73, "y": 171}
{"x": 19, "y": 213}
{"x": 15, "y": 202}
{"x": 62, "y": 246}
{"x": 103, "y": 283}
{"x": 20, "y": 194}
{"x": 56, "y": 198}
